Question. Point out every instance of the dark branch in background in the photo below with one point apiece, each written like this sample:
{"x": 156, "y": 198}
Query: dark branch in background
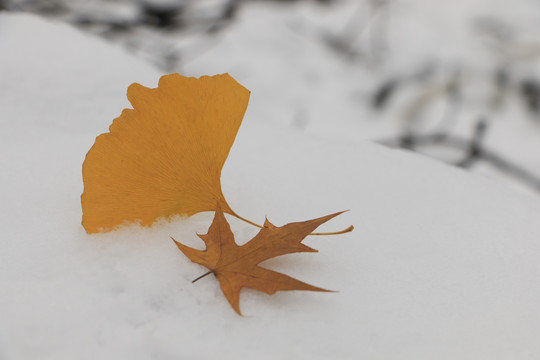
{"x": 501, "y": 86}
{"x": 530, "y": 92}
{"x": 449, "y": 92}
{"x": 384, "y": 93}
{"x": 349, "y": 42}
{"x": 148, "y": 27}
{"x": 388, "y": 88}
{"x": 504, "y": 82}
{"x": 474, "y": 152}
{"x": 231, "y": 9}
{"x": 499, "y": 37}
{"x": 165, "y": 17}
{"x": 500, "y": 162}
{"x": 409, "y": 138}
{"x": 473, "y": 148}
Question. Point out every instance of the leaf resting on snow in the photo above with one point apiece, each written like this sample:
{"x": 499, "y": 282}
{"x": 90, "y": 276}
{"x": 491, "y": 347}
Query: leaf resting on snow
{"x": 164, "y": 156}
{"x": 237, "y": 266}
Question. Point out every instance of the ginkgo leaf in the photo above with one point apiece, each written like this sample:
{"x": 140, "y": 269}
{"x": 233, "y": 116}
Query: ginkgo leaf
{"x": 237, "y": 266}
{"x": 164, "y": 156}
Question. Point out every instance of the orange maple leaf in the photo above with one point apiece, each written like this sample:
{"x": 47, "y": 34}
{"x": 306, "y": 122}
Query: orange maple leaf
{"x": 237, "y": 266}
{"x": 164, "y": 156}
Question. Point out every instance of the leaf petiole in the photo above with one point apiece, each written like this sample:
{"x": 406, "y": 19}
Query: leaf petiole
{"x": 349, "y": 229}
{"x": 203, "y": 275}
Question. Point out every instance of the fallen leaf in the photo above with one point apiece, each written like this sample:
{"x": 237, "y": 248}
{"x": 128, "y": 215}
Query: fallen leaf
{"x": 238, "y": 266}
{"x": 164, "y": 156}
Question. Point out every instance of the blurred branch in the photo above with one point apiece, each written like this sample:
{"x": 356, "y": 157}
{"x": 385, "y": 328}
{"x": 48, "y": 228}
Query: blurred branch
{"x": 447, "y": 91}
{"x": 498, "y": 161}
{"x": 148, "y": 27}
{"x": 474, "y": 151}
{"x": 530, "y": 93}
{"x": 389, "y": 87}
{"x": 374, "y": 27}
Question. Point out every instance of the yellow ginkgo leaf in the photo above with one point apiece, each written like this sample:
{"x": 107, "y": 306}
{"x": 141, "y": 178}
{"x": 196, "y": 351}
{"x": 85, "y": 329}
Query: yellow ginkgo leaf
{"x": 164, "y": 156}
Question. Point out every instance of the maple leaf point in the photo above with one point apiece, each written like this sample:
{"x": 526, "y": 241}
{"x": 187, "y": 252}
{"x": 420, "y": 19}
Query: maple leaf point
{"x": 237, "y": 266}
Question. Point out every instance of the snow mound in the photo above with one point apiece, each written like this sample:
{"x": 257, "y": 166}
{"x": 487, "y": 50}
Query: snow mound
{"x": 442, "y": 264}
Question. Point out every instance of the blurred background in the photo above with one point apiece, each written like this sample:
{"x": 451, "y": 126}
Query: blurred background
{"x": 457, "y": 81}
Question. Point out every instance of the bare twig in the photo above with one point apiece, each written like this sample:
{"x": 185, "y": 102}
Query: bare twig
{"x": 498, "y": 161}
{"x": 474, "y": 152}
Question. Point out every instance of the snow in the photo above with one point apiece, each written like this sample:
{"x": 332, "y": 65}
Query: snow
{"x": 441, "y": 264}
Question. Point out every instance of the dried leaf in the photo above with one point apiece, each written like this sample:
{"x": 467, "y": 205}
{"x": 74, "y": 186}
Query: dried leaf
{"x": 164, "y": 156}
{"x": 237, "y": 266}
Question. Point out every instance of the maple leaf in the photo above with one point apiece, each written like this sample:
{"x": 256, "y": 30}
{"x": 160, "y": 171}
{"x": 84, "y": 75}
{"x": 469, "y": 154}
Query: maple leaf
{"x": 164, "y": 156}
{"x": 238, "y": 266}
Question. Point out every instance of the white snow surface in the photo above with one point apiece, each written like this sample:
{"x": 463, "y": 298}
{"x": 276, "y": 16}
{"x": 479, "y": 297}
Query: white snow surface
{"x": 442, "y": 264}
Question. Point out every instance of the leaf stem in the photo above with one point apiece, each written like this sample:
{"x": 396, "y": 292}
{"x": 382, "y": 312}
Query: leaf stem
{"x": 203, "y": 275}
{"x": 344, "y": 231}
{"x": 246, "y": 220}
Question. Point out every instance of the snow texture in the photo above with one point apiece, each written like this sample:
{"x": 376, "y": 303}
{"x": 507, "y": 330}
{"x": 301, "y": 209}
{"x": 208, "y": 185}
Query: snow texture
{"x": 442, "y": 264}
